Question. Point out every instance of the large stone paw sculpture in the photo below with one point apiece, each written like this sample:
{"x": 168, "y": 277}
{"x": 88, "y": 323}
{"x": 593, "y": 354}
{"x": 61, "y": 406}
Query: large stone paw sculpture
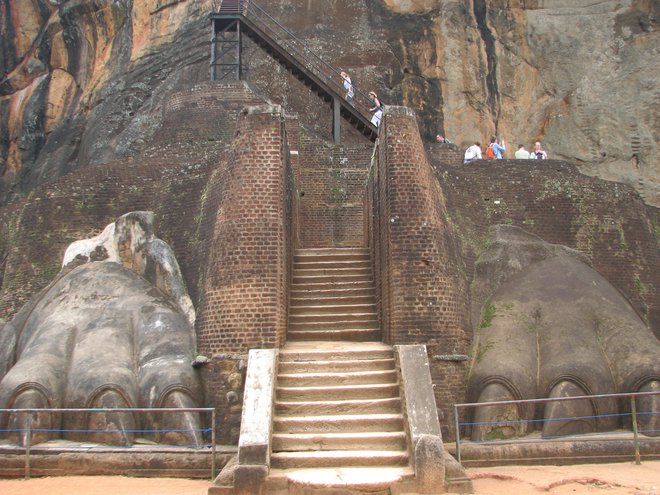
{"x": 113, "y": 330}
{"x": 551, "y": 326}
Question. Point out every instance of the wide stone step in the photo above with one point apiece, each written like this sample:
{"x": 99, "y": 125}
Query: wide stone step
{"x": 315, "y": 271}
{"x": 335, "y": 297}
{"x": 364, "y": 479}
{"x": 338, "y": 423}
{"x": 330, "y": 326}
{"x": 347, "y": 351}
{"x": 338, "y": 458}
{"x": 323, "y": 309}
{"x": 389, "y": 405}
{"x": 322, "y": 254}
{"x": 333, "y": 289}
{"x": 340, "y": 392}
{"x": 332, "y": 317}
{"x": 332, "y": 264}
{"x": 383, "y": 440}
{"x": 350, "y": 334}
{"x": 344, "y": 378}
{"x": 332, "y": 278}
{"x": 334, "y": 365}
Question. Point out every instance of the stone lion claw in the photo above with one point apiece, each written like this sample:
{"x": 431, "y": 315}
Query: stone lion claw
{"x": 113, "y": 330}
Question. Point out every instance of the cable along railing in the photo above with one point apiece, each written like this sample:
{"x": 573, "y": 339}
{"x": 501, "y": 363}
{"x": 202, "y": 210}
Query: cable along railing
{"x": 258, "y": 19}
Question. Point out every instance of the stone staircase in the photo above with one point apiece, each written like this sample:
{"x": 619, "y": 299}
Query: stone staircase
{"x": 338, "y": 423}
{"x": 338, "y": 410}
{"x": 337, "y": 406}
{"x": 333, "y": 296}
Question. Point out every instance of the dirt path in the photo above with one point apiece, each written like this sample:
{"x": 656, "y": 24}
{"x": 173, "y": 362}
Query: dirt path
{"x": 606, "y": 479}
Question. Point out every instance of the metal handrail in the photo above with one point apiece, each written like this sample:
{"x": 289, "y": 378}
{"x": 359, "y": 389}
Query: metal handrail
{"x": 630, "y": 395}
{"x": 327, "y": 73}
{"x": 32, "y": 411}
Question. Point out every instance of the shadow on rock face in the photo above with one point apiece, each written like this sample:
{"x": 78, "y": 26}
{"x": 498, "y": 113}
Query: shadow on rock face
{"x": 101, "y": 336}
{"x": 553, "y": 327}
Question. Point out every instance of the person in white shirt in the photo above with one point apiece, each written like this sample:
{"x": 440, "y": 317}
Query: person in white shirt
{"x": 538, "y": 153}
{"x": 522, "y": 153}
{"x": 348, "y": 86}
{"x": 472, "y": 153}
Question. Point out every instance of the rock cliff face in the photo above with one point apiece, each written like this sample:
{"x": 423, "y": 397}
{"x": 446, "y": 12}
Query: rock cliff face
{"x": 82, "y": 81}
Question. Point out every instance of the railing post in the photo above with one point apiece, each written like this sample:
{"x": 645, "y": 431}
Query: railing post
{"x": 213, "y": 444}
{"x": 28, "y": 441}
{"x": 458, "y": 434}
{"x": 336, "y": 120}
{"x": 213, "y": 55}
{"x": 633, "y": 412}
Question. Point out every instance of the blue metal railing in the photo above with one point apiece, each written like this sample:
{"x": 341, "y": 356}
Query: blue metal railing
{"x": 633, "y": 414}
{"x": 29, "y": 430}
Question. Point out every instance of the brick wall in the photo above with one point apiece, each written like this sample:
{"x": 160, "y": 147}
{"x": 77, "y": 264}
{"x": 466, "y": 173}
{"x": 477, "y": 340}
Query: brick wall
{"x": 332, "y": 183}
{"x": 82, "y": 204}
{"x": 206, "y": 111}
{"x": 244, "y": 298}
{"x": 420, "y": 275}
{"x": 608, "y": 222}
{"x": 445, "y": 153}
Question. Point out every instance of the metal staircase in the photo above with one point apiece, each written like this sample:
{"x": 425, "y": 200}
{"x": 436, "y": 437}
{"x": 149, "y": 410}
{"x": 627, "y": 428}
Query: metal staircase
{"x": 237, "y": 18}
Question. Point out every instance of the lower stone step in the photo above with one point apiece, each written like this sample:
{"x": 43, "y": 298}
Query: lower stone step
{"x": 336, "y": 365}
{"x": 340, "y": 480}
{"x": 336, "y": 378}
{"x": 338, "y": 458}
{"x": 295, "y": 442}
{"x": 338, "y": 423}
{"x": 355, "y": 335}
{"x": 376, "y": 391}
{"x": 388, "y": 405}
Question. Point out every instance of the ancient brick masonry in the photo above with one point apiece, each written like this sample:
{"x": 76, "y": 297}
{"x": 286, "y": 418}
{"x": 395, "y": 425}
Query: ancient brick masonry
{"x": 244, "y": 302}
{"x": 422, "y": 290}
{"x": 332, "y": 181}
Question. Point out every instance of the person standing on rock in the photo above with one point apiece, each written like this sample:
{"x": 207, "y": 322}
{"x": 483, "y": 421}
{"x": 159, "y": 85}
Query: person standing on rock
{"x": 498, "y": 148}
{"x": 538, "y": 153}
{"x": 472, "y": 153}
{"x": 348, "y": 86}
{"x": 522, "y": 153}
{"x": 377, "y": 108}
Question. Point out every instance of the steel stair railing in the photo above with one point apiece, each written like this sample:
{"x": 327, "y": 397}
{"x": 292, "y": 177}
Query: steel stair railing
{"x": 298, "y": 50}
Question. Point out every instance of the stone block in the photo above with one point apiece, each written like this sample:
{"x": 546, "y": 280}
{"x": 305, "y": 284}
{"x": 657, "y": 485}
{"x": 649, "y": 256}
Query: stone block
{"x": 418, "y": 389}
{"x": 256, "y": 422}
{"x": 430, "y": 464}
{"x": 250, "y": 479}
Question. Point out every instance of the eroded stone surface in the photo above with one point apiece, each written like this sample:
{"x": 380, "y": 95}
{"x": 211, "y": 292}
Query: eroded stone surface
{"x": 102, "y": 335}
{"x": 83, "y": 82}
{"x": 553, "y": 327}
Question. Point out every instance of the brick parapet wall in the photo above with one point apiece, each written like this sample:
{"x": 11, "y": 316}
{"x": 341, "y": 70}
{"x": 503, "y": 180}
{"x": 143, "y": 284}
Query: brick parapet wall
{"x": 332, "y": 183}
{"x": 447, "y": 154}
{"x": 608, "y": 222}
{"x": 422, "y": 290}
{"x": 205, "y": 112}
{"x": 244, "y": 297}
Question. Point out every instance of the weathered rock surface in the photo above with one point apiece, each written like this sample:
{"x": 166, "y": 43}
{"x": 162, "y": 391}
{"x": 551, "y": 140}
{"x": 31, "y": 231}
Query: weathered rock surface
{"x": 553, "y": 327}
{"x": 101, "y": 335}
{"x": 82, "y": 82}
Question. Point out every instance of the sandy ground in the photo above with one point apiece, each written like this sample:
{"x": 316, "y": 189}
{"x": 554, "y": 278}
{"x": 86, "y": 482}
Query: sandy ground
{"x": 606, "y": 479}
